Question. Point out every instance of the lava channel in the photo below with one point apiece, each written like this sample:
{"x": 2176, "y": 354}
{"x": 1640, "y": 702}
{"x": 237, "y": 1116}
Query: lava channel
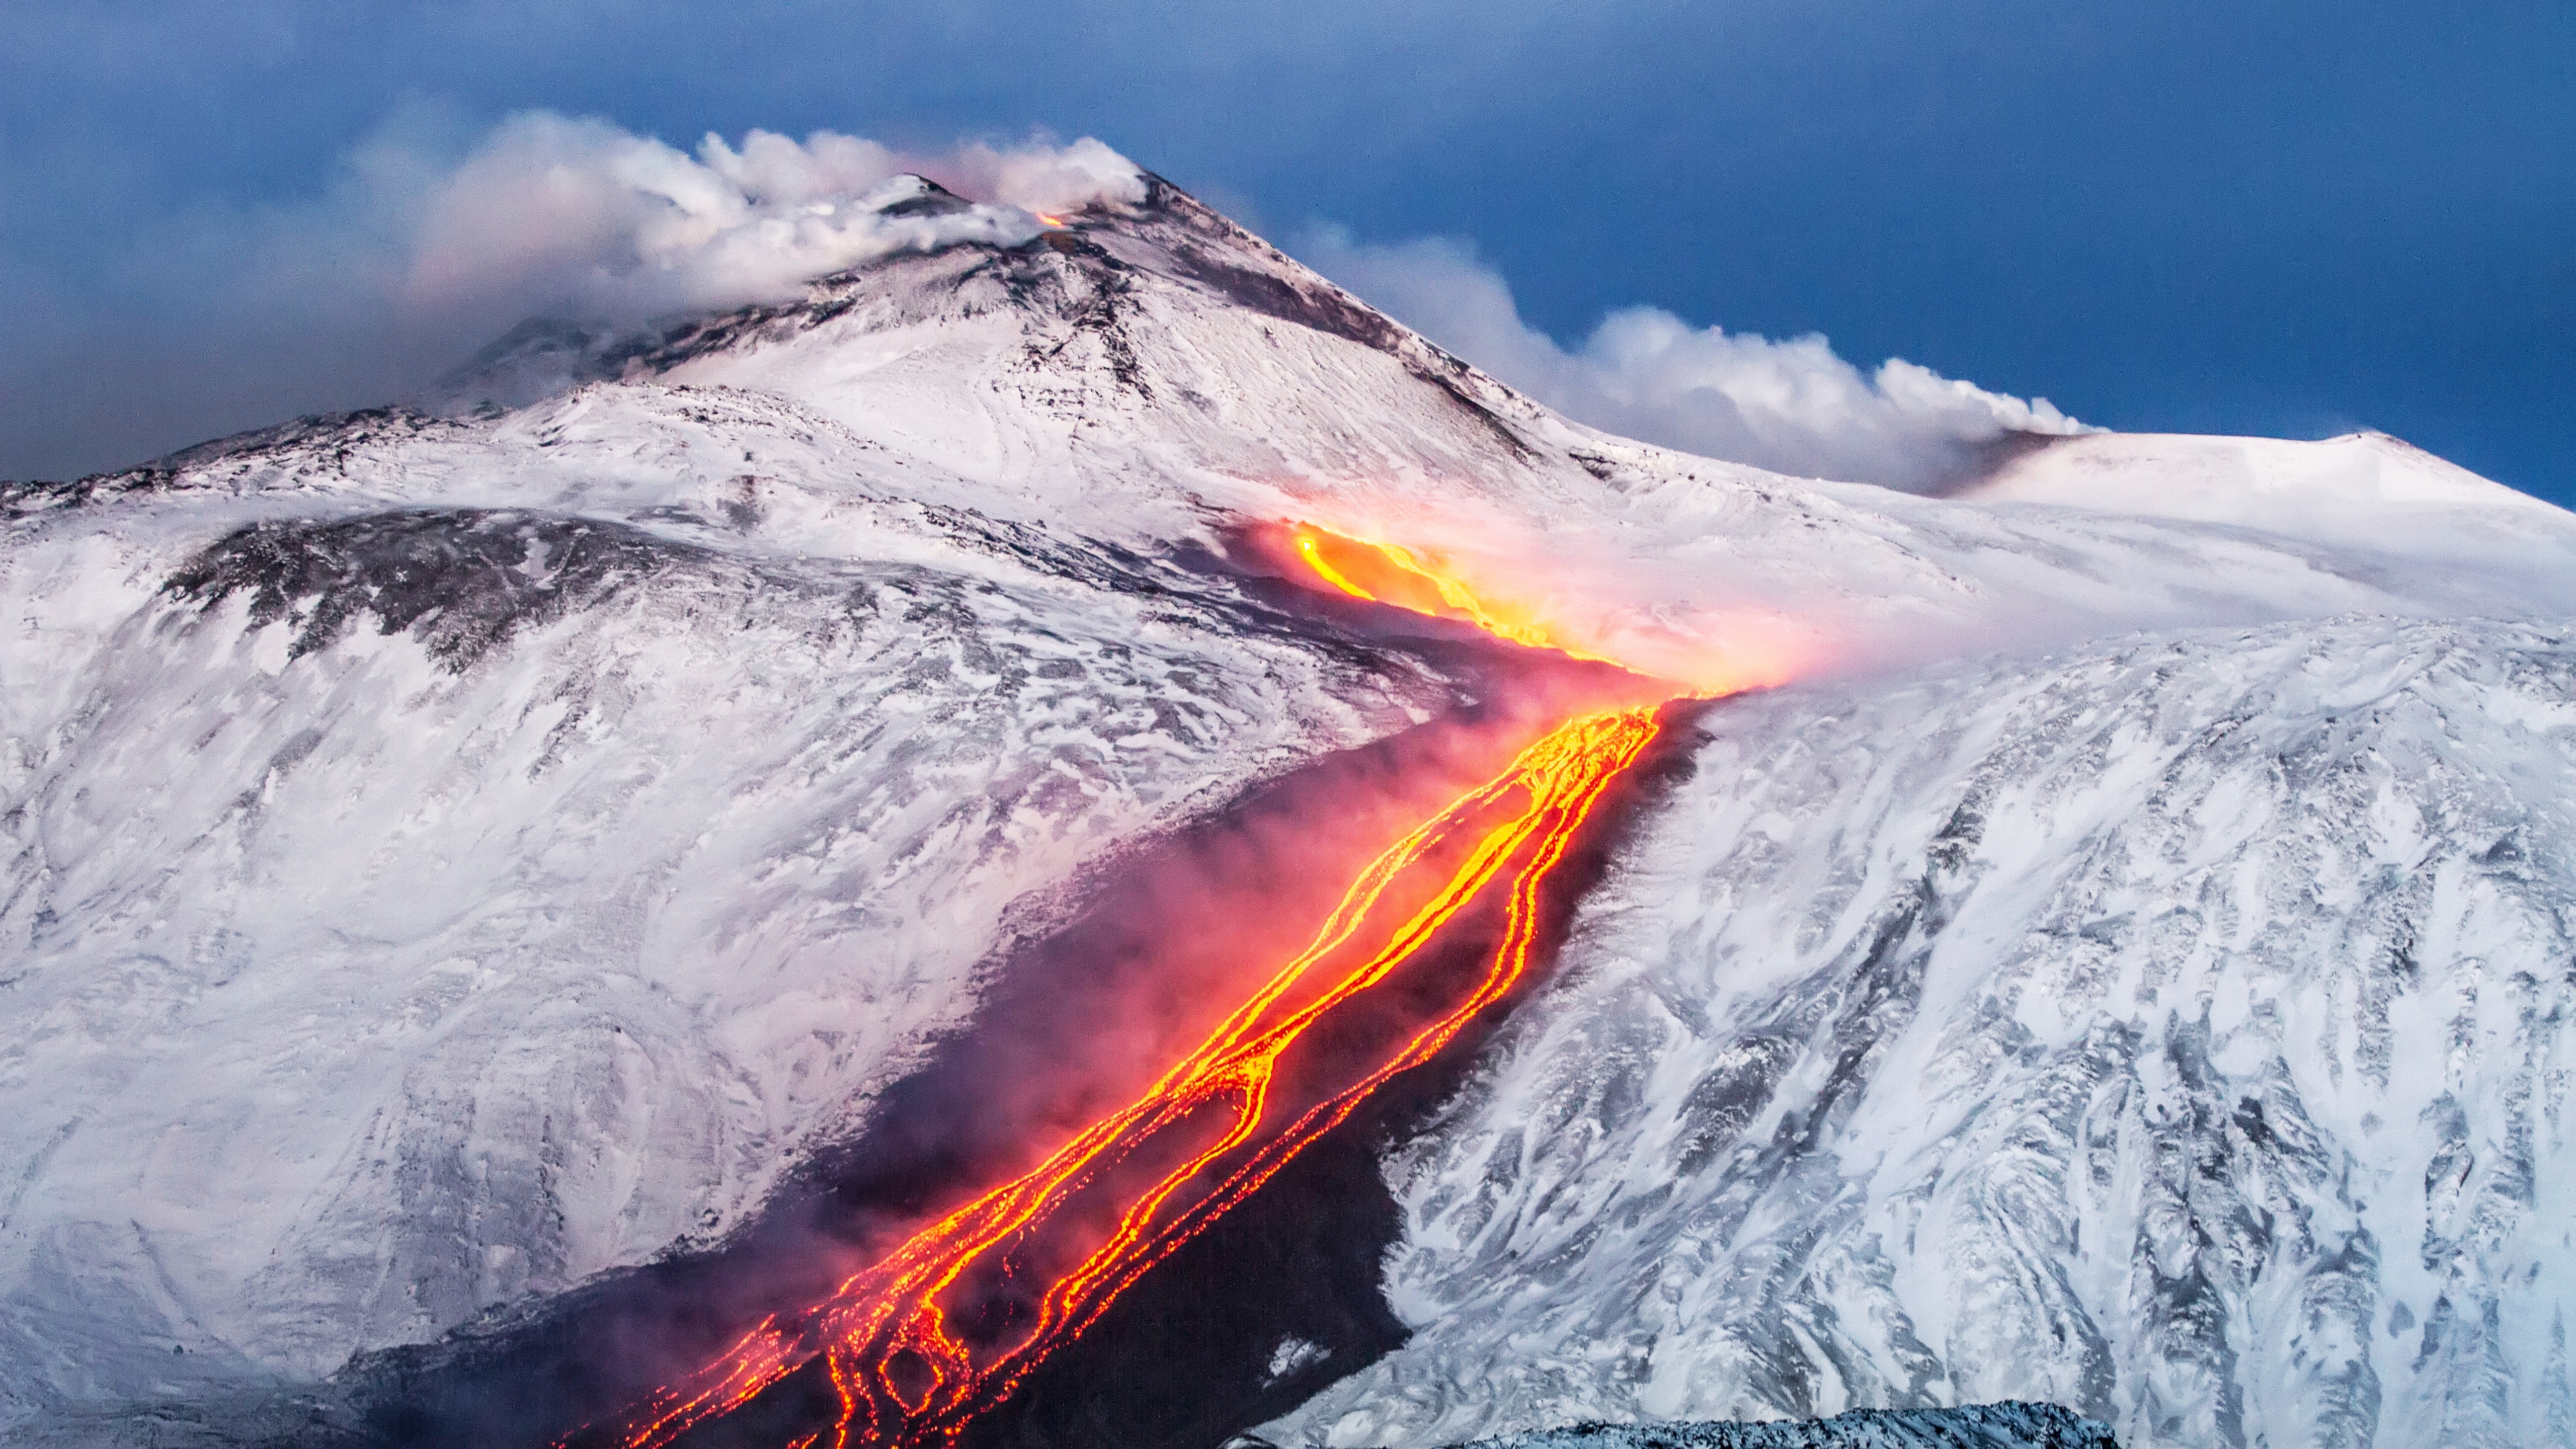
{"x": 1387, "y": 573}
{"x": 947, "y": 1325}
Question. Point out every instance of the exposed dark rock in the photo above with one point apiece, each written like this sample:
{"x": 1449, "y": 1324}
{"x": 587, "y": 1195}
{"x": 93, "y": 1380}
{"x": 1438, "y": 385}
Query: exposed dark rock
{"x": 462, "y": 579}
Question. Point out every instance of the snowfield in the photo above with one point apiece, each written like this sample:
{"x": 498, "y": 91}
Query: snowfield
{"x": 362, "y": 980}
{"x": 2177, "y": 1031}
{"x": 447, "y": 853}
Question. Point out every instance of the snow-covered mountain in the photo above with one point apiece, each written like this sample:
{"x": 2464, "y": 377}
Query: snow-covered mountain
{"x": 457, "y": 850}
{"x": 2173, "y": 1028}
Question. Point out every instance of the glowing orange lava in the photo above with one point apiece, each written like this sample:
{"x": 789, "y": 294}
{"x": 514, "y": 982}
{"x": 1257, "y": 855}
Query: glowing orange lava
{"x": 1524, "y": 594}
{"x": 1058, "y": 1244}
{"x": 1386, "y": 573}
{"x": 904, "y": 1377}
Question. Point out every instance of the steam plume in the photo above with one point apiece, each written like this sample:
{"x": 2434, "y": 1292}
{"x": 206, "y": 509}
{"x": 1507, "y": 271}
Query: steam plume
{"x": 1792, "y": 406}
{"x": 426, "y": 242}
{"x": 563, "y": 212}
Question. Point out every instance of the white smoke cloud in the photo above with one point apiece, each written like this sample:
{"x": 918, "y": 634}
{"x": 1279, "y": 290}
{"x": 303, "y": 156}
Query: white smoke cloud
{"x": 578, "y": 214}
{"x": 1792, "y": 406}
{"x": 420, "y": 249}
{"x": 429, "y": 238}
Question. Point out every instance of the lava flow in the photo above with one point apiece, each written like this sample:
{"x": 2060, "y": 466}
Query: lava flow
{"x": 947, "y": 1325}
{"x": 1387, "y": 573}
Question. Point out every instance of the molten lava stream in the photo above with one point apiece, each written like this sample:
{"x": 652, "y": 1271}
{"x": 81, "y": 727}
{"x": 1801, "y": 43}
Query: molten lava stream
{"x": 1390, "y": 574}
{"x": 951, "y": 1322}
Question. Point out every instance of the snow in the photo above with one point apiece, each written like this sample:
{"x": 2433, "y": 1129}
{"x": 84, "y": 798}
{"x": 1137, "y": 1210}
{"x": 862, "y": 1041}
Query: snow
{"x": 1985, "y": 1426}
{"x": 2363, "y": 489}
{"x": 2175, "y": 1030}
{"x": 355, "y": 991}
{"x": 452, "y": 853}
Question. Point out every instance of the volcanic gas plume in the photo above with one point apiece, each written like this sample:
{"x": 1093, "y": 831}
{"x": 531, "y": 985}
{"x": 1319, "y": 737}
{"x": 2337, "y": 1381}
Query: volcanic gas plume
{"x": 948, "y": 1324}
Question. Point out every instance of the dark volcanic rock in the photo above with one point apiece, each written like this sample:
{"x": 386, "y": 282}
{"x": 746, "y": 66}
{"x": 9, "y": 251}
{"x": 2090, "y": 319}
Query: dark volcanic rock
{"x": 464, "y": 578}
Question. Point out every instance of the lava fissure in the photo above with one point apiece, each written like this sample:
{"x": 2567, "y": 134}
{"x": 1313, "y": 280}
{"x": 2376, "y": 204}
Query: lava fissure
{"x": 905, "y": 1374}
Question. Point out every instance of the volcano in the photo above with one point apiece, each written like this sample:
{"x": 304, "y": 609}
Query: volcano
{"x": 508, "y": 894}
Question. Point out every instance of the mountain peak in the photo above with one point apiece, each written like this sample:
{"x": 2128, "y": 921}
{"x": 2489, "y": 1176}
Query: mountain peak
{"x": 914, "y": 195}
{"x": 1169, "y": 234}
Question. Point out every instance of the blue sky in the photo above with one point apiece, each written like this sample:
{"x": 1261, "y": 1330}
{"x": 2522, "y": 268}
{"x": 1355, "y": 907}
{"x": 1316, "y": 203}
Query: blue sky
{"x": 2288, "y": 219}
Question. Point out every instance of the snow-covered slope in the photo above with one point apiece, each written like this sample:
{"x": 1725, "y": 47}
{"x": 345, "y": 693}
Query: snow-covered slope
{"x": 1986, "y": 1426}
{"x": 451, "y": 852}
{"x": 2367, "y": 489}
{"x": 412, "y": 912}
{"x": 2178, "y": 1030}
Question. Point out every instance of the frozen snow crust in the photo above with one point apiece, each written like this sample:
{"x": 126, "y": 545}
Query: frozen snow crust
{"x": 1977, "y": 1426}
{"x": 2178, "y": 1031}
{"x": 447, "y": 853}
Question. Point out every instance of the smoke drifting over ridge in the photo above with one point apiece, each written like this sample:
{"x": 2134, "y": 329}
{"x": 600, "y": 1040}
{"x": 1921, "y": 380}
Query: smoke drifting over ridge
{"x": 416, "y": 250}
{"x": 416, "y": 254}
{"x": 578, "y": 213}
{"x": 1792, "y": 406}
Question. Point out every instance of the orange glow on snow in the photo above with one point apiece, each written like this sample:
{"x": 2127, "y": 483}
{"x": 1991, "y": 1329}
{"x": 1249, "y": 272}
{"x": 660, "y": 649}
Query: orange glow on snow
{"x": 1753, "y": 654}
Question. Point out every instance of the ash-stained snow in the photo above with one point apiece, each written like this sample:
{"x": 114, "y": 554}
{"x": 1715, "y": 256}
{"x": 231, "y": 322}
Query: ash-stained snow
{"x": 2179, "y": 1031}
{"x": 449, "y": 852}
